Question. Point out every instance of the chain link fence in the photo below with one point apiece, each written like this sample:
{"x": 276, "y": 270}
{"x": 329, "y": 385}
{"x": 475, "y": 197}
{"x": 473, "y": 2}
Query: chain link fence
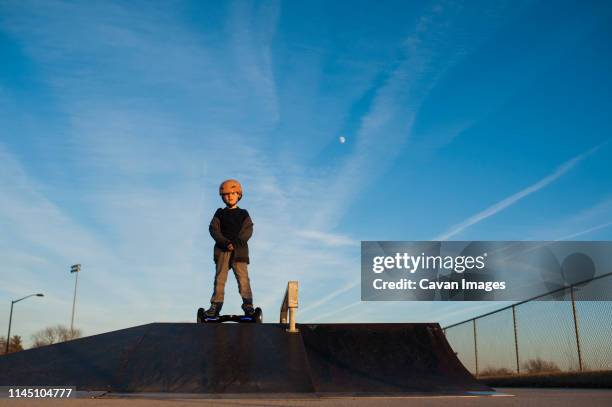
{"x": 552, "y": 333}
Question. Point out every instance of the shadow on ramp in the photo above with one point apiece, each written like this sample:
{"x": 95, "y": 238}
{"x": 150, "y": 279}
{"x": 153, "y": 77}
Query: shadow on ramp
{"x": 384, "y": 358}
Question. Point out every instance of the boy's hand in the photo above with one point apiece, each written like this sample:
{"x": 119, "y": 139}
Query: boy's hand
{"x": 230, "y": 247}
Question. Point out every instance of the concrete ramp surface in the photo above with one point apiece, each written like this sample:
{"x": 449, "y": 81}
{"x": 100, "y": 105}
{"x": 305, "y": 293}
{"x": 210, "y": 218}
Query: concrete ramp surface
{"x": 249, "y": 358}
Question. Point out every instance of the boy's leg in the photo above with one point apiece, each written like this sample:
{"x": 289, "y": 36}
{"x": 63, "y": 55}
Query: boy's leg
{"x": 222, "y": 267}
{"x": 244, "y": 284}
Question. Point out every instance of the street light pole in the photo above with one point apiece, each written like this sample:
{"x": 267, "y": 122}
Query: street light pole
{"x": 8, "y": 336}
{"x": 74, "y": 269}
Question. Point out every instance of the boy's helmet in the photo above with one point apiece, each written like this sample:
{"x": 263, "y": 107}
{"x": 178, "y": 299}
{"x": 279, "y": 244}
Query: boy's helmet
{"x": 230, "y": 185}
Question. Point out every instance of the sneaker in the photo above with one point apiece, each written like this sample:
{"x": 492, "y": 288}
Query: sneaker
{"x": 214, "y": 310}
{"x": 248, "y": 309}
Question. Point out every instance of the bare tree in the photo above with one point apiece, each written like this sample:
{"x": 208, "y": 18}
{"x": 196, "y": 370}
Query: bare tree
{"x": 54, "y": 334}
{"x": 538, "y": 365}
{"x": 495, "y": 371}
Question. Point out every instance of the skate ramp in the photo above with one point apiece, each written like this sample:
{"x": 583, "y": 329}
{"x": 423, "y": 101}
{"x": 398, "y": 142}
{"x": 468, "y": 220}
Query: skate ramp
{"x": 262, "y": 359}
{"x": 218, "y": 358}
{"x": 169, "y": 357}
{"x": 384, "y": 358}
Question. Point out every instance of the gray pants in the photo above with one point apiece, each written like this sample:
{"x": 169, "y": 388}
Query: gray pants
{"x": 224, "y": 262}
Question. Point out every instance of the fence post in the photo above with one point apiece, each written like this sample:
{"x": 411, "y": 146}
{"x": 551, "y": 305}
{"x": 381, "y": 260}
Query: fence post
{"x": 475, "y": 347}
{"x": 516, "y": 348}
{"x": 576, "y": 327}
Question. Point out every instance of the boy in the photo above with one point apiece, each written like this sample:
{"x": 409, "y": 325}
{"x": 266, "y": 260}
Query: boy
{"x": 231, "y": 228}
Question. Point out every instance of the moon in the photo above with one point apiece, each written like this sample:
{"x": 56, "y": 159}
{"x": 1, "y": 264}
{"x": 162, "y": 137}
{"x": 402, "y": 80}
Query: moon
{"x": 342, "y": 139}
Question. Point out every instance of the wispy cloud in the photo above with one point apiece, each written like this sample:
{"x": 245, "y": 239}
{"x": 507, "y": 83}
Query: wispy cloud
{"x": 252, "y": 30}
{"x": 438, "y": 42}
{"x": 463, "y": 310}
{"x": 44, "y": 240}
{"x": 441, "y": 38}
{"x": 592, "y": 219}
{"x": 336, "y": 311}
{"x": 386, "y": 126}
{"x": 514, "y": 198}
{"x": 586, "y": 231}
{"x": 330, "y": 296}
{"x": 328, "y": 239}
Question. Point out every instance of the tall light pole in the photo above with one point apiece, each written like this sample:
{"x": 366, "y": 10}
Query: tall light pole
{"x": 8, "y": 336}
{"x": 75, "y": 268}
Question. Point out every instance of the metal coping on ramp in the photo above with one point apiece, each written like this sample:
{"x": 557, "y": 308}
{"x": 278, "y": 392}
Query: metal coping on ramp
{"x": 221, "y": 359}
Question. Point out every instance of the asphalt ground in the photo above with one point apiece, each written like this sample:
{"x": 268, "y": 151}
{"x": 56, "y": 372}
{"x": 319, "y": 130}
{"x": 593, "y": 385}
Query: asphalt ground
{"x": 504, "y": 397}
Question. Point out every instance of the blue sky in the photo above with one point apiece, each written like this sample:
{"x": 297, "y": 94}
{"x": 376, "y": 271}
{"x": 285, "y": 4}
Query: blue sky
{"x": 118, "y": 120}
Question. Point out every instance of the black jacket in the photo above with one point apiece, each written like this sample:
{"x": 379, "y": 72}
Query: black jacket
{"x": 235, "y": 226}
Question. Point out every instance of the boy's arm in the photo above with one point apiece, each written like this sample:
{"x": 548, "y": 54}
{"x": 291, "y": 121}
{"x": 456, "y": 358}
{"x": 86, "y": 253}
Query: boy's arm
{"x": 246, "y": 231}
{"x": 215, "y": 231}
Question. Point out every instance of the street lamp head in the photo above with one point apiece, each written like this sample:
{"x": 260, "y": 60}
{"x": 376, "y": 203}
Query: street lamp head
{"x": 6, "y": 351}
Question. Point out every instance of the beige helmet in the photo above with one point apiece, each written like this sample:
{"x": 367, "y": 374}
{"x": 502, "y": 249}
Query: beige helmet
{"x": 230, "y": 185}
